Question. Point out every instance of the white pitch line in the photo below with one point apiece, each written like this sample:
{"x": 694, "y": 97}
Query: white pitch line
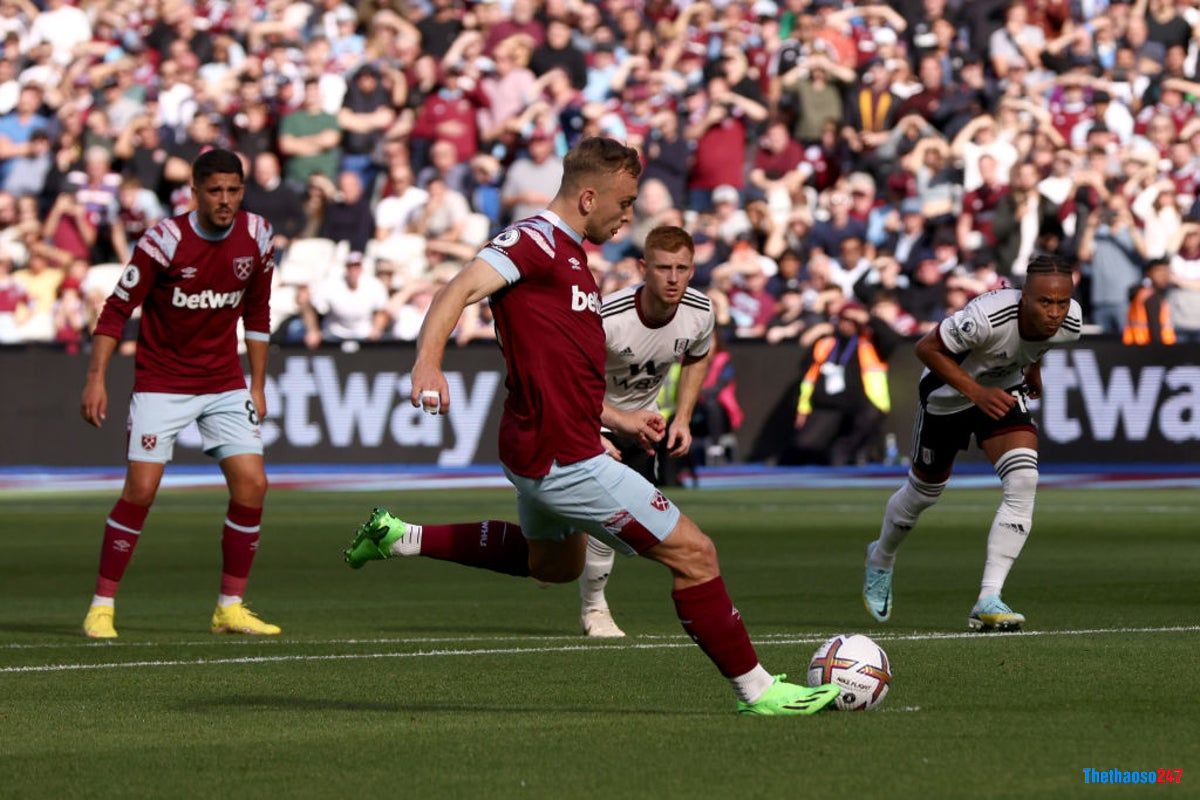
{"x": 762, "y": 641}
{"x": 766, "y": 638}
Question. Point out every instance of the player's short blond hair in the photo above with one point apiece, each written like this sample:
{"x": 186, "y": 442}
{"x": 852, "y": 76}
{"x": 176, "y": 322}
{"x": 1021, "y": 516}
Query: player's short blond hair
{"x": 596, "y": 156}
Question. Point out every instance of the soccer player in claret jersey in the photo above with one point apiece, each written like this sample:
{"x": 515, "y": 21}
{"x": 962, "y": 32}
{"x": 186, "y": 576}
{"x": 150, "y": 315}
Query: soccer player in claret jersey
{"x": 647, "y": 329}
{"x": 547, "y": 311}
{"x": 195, "y": 275}
{"x": 982, "y": 365}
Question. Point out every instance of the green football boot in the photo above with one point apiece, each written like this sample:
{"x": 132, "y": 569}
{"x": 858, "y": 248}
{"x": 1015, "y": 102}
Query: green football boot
{"x": 375, "y": 538}
{"x": 786, "y": 699}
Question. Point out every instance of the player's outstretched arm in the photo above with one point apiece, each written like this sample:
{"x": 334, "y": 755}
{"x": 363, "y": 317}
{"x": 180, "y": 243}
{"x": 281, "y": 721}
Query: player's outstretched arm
{"x": 476, "y": 281}
{"x": 93, "y": 406}
{"x": 941, "y": 361}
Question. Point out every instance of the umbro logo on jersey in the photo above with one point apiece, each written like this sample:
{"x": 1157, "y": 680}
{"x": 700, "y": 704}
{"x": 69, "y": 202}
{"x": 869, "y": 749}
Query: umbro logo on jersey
{"x": 187, "y": 273}
{"x": 574, "y": 262}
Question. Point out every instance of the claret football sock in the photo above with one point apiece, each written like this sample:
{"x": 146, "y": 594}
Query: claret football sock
{"x": 121, "y": 532}
{"x": 708, "y": 616}
{"x": 495, "y": 545}
{"x": 239, "y": 543}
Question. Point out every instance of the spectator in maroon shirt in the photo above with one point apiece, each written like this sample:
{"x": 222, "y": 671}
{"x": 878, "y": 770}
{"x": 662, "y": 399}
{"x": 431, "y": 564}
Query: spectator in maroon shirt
{"x": 521, "y": 20}
{"x": 776, "y": 160}
{"x": 449, "y": 113}
{"x": 927, "y": 101}
{"x": 718, "y": 127}
{"x": 751, "y": 306}
{"x": 974, "y": 227}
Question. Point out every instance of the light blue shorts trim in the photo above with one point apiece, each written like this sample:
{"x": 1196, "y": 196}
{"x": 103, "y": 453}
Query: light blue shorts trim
{"x": 228, "y": 424}
{"x": 601, "y": 497}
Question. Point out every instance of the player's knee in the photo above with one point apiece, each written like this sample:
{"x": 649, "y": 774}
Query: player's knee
{"x": 1020, "y": 488}
{"x": 1018, "y": 471}
{"x": 250, "y": 490}
{"x": 689, "y": 553}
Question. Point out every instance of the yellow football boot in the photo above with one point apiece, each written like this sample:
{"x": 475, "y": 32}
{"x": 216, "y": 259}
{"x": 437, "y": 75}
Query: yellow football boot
{"x": 237, "y": 618}
{"x": 98, "y": 624}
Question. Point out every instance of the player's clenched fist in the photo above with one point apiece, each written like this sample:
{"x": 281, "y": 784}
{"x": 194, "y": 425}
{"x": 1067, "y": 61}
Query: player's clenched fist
{"x": 430, "y": 392}
{"x": 994, "y": 402}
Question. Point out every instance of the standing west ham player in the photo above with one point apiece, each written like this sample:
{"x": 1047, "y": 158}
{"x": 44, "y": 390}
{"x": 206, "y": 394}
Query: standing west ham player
{"x": 194, "y": 275}
{"x": 982, "y": 364}
{"x": 647, "y": 329}
{"x": 547, "y": 310}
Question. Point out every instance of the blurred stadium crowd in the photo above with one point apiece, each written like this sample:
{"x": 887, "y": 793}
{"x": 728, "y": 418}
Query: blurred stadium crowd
{"x": 906, "y": 156}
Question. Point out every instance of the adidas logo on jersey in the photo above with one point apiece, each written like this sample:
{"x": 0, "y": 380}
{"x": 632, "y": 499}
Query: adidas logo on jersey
{"x": 628, "y": 351}
{"x": 206, "y": 299}
{"x": 581, "y": 301}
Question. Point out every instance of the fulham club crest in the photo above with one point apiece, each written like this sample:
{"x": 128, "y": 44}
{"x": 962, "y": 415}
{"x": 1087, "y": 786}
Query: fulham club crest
{"x": 149, "y": 441}
{"x": 243, "y": 267}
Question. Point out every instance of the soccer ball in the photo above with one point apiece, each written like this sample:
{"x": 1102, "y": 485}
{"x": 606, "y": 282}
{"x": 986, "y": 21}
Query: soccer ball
{"x": 857, "y": 666}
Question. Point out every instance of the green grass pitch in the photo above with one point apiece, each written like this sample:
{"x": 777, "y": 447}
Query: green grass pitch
{"x": 420, "y": 679}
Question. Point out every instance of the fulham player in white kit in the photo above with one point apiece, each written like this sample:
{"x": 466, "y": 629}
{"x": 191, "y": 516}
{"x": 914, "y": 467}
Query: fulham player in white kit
{"x": 195, "y": 276}
{"x": 982, "y": 365}
{"x": 648, "y": 328}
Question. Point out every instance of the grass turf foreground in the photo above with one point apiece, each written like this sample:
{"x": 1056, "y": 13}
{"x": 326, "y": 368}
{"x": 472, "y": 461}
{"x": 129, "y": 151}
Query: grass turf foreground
{"x": 420, "y": 679}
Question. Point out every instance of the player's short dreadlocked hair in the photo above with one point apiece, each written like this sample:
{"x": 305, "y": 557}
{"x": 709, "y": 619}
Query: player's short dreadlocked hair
{"x": 1042, "y": 264}
{"x": 216, "y": 161}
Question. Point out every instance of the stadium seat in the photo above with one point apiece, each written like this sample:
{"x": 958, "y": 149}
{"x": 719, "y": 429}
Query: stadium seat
{"x": 102, "y": 278}
{"x": 307, "y": 261}
{"x": 475, "y": 232}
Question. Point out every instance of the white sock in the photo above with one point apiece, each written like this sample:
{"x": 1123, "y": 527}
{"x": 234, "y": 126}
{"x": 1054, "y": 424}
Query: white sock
{"x": 226, "y": 600}
{"x": 753, "y": 685}
{"x": 97, "y": 600}
{"x": 410, "y": 543}
{"x": 903, "y": 509}
{"x": 1014, "y": 518}
{"x": 596, "y": 569}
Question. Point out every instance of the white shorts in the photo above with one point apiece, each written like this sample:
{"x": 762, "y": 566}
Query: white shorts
{"x": 601, "y": 497}
{"x": 228, "y": 424}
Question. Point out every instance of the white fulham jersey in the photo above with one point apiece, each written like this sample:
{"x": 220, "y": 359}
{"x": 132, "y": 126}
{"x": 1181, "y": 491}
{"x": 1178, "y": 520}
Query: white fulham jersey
{"x": 984, "y": 337}
{"x": 640, "y": 354}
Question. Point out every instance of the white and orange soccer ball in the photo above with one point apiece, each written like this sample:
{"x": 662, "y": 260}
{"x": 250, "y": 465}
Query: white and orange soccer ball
{"x": 857, "y": 666}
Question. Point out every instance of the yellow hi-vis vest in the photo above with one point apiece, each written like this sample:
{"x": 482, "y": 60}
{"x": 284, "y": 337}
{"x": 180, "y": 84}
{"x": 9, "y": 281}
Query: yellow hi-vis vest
{"x": 874, "y": 374}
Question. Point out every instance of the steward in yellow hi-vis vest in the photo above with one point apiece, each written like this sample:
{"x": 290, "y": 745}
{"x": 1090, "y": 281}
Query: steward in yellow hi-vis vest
{"x": 844, "y": 393}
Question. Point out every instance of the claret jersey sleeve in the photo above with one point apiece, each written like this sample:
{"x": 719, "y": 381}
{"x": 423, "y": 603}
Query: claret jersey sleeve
{"x": 257, "y": 312}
